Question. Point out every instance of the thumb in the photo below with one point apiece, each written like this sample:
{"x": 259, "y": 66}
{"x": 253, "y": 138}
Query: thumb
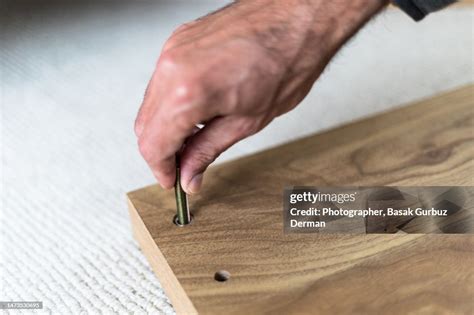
{"x": 206, "y": 145}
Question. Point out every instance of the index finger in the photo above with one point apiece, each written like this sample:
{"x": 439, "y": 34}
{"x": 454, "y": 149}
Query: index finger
{"x": 165, "y": 133}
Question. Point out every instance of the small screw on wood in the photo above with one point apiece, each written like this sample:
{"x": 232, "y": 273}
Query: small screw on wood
{"x": 183, "y": 216}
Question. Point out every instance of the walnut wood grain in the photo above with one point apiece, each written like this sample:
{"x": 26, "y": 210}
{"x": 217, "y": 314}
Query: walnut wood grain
{"x": 238, "y": 224}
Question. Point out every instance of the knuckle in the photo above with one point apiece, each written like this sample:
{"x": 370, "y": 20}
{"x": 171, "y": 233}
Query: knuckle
{"x": 184, "y": 92}
{"x": 248, "y": 128}
{"x": 180, "y": 121}
{"x": 185, "y": 87}
{"x": 205, "y": 155}
{"x": 168, "y": 61}
{"x": 170, "y": 43}
{"x": 184, "y": 105}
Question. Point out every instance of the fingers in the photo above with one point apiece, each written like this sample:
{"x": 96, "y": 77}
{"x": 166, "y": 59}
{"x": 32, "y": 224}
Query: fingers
{"x": 207, "y": 144}
{"x": 147, "y": 108}
{"x": 154, "y": 92}
{"x": 163, "y": 136}
{"x": 169, "y": 115}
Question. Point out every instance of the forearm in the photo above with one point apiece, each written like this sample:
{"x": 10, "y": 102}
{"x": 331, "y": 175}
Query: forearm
{"x": 303, "y": 32}
{"x": 344, "y": 18}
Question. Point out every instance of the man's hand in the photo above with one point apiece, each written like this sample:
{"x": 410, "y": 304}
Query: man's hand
{"x": 235, "y": 71}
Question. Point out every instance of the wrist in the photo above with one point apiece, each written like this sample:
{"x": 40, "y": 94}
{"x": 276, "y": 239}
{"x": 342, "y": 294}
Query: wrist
{"x": 305, "y": 34}
{"x": 302, "y": 35}
{"x": 336, "y": 21}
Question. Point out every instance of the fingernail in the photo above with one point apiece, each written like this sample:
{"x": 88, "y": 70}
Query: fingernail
{"x": 166, "y": 187}
{"x": 194, "y": 186}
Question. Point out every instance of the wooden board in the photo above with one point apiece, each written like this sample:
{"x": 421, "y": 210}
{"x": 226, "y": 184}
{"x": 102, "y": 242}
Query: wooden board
{"x": 238, "y": 224}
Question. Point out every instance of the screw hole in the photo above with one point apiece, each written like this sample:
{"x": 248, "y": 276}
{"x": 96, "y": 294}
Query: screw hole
{"x": 176, "y": 221}
{"x": 222, "y": 276}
